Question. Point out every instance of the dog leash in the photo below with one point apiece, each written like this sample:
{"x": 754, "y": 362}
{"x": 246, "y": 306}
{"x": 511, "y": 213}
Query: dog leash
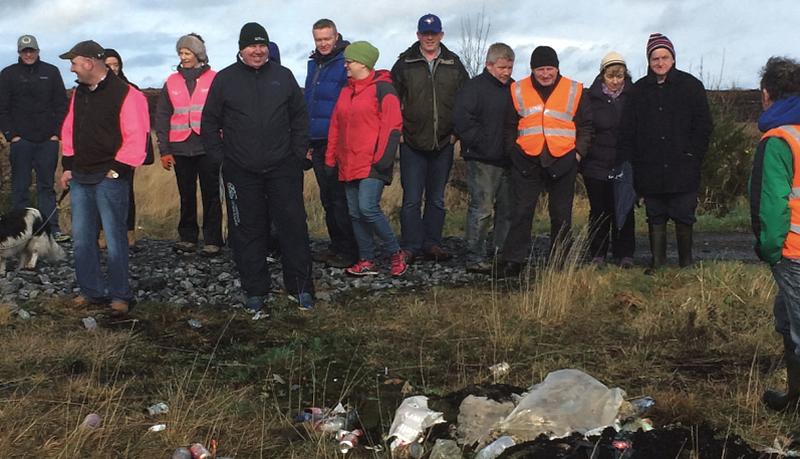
{"x": 64, "y": 194}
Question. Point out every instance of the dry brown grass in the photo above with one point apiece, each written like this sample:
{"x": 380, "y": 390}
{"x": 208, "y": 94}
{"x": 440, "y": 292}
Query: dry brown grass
{"x": 700, "y": 341}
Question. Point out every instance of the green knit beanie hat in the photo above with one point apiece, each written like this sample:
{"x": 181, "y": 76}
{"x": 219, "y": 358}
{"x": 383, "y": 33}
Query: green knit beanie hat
{"x": 363, "y": 52}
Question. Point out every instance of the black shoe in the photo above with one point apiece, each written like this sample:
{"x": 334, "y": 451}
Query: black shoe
{"x": 338, "y": 260}
{"x": 509, "y": 269}
{"x": 479, "y": 267}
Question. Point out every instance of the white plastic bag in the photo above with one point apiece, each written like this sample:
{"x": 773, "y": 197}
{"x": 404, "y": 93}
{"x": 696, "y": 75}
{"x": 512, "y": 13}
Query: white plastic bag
{"x": 411, "y": 419}
{"x": 566, "y": 401}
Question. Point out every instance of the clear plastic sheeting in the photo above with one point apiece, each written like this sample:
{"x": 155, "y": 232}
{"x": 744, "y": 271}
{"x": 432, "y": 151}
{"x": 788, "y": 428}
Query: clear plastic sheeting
{"x": 477, "y": 417}
{"x": 566, "y": 401}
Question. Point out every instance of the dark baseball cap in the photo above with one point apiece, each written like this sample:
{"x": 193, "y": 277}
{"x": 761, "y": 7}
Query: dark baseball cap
{"x": 27, "y": 42}
{"x": 430, "y": 23}
{"x": 88, "y": 48}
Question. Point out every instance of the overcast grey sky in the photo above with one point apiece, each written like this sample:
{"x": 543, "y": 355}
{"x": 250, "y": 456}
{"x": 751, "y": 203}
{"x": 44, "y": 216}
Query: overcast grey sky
{"x": 724, "y": 42}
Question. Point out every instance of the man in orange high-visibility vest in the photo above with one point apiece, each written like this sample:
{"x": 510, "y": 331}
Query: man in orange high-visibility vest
{"x": 547, "y": 131}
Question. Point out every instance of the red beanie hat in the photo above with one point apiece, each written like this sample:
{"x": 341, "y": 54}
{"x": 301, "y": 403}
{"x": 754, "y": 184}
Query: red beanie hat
{"x": 658, "y": 40}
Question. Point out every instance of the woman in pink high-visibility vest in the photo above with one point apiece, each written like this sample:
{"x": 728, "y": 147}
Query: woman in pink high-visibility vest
{"x": 180, "y": 107}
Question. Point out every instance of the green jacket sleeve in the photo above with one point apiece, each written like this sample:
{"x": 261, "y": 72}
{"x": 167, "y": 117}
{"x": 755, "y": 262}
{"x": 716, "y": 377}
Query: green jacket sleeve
{"x": 770, "y": 187}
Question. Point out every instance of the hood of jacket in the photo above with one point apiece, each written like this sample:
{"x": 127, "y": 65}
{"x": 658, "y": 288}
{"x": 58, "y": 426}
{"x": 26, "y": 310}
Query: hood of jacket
{"x": 340, "y": 45}
{"x": 414, "y": 53}
{"x": 596, "y": 89}
{"x": 782, "y": 112}
{"x": 374, "y": 77}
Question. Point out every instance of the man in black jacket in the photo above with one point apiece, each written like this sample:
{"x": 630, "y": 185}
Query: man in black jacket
{"x": 427, "y": 76}
{"x": 478, "y": 115}
{"x": 664, "y": 132}
{"x": 33, "y": 103}
{"x": 255, "y": 123}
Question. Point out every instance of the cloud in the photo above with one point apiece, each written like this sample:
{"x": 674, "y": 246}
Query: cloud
{"x": 726, "y": 39}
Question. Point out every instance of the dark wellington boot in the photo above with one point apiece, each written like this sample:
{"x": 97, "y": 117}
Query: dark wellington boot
{"x": 658, "y": 246}
{"x": 683, "y": 235}
{"x": 781, "y": 401}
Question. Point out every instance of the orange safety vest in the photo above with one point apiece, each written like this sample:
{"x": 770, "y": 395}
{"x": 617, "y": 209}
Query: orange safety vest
{"x": 548, "y": 122}
{"x": 791, "y": 134}
{"x": 187, "y": 110}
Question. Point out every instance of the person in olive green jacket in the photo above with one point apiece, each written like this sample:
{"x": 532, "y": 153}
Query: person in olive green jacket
{"x": 775, "y": 210}
{"x": 427, "y": 76}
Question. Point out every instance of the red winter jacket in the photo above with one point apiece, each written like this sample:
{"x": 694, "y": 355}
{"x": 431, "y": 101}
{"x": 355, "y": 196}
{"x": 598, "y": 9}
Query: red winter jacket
{"x": 365, "y": 129}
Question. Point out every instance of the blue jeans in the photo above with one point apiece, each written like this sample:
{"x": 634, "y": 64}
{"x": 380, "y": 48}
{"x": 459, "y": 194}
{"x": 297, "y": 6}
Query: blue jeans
{"x": 41, "y": 157}
{"x": 364, "y": 205}
{"x": 106, "y": 204}
{"x": 787, "y": 302}
{"x": 489, "y": 193}
{"x": 423, "y": 172}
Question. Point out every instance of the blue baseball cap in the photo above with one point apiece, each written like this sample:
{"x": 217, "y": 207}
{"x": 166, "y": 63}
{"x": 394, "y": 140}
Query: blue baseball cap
{"x": 430, "y": 23}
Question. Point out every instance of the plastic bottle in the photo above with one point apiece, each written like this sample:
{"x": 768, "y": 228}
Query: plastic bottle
{"x": 495, "y": 448}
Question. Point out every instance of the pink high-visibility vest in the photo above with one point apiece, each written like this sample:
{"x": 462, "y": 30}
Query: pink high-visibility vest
{"x": 187, "y": 110}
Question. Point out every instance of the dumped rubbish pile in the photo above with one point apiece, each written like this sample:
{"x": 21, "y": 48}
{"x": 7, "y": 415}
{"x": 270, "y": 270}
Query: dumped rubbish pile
{"x": 567, "y": 415}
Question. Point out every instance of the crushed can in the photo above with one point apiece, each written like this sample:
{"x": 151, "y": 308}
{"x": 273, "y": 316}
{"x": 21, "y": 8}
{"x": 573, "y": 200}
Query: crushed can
{"x": 157, "y": 409}
{"x": 199, "y": 451}
{"x": 348, "y": 440}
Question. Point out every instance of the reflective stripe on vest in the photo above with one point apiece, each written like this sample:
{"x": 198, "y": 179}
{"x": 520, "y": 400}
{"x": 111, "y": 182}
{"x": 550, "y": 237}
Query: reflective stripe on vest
{"x": 550, "y": 122}
{"x": 187, "y": 111}
{"x": 791, "y": 135}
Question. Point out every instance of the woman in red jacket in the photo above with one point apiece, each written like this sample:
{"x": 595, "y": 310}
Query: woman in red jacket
{"x": 362, "y": 141}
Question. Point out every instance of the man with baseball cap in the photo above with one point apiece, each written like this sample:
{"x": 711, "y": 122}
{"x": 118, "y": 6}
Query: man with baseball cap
{"x": 33, "y": 103}
{"x": 104, "y": 136}
{"x": 427, "y": 76}
{"x": 664, "y": 133}
{"x": 259, "y": 107}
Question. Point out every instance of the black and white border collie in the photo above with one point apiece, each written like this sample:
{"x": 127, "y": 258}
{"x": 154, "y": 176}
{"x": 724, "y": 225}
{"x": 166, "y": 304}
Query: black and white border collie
{"x": 23, "y": 232}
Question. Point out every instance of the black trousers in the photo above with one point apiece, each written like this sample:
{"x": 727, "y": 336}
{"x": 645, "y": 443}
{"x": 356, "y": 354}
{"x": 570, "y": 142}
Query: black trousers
{"x": 334, "y": 201}
{"x": 187, "y": 171}
{"x": 251, "y": 197}
{"x": 603, "y": 229}
{"x": 680, "y": 207}
{"x": 525, "y": 191}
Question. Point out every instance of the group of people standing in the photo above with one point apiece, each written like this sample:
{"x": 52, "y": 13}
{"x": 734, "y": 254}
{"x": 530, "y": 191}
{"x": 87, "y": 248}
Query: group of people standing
{"x": 251, "y": 125}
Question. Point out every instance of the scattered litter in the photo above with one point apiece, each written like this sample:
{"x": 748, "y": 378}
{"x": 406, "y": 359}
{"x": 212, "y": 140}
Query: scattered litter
{"x": 406, "y": 389}
{"x": 411, "y": 420}
{"x": 347, "y": 440}
{"x": 92, "y": 421}
{"x": 278, "y": 378}
{"x": 261, "y": 315}
{"x": 331, "y": 421}
{"x": 781, "y": 448}
{"x": 89, "y": 323}
{"x": 182, "y": 453}
{"x": 496, "y": 448}
{"x": 23, "y": 314}
{"x": 199, "y": 451}
{"x": 445, "y": 449}
{"x": 194, "y": 323}
{"x": 157, "y": 428}
{"x": 157, "y": 409}
{"x": 566, "y": 401}
{"x": 477, "y": 417}
{"x": 499, "y": 370}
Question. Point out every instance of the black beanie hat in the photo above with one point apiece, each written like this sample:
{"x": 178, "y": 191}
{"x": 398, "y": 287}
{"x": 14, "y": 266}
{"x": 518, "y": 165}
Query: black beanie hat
{"x": 544, "y": 56}
{"x": 253, "y": 33}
